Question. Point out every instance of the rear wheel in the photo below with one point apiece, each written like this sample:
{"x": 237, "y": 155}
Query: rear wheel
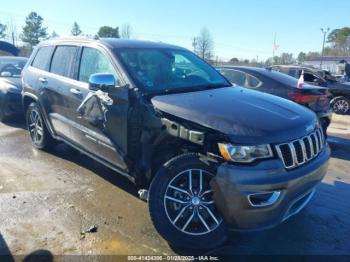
{"x": 181, "y": 204}
{"x": 39, "y": 134}
{"x": 341, "y": 105}
{"x": 3, "y": 117}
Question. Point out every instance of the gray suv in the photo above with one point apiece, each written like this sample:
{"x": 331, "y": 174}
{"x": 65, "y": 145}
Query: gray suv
{"x": 207, "y": 155}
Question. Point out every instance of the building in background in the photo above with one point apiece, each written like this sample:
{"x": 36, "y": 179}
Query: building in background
{"x": 330, "y": 63}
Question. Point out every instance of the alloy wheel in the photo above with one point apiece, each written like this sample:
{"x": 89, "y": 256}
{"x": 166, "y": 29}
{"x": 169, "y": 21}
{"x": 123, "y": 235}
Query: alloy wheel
{"x": 341, "y": 106}
{"x": 35, "y": 126}
{"x": 189, "y": 204}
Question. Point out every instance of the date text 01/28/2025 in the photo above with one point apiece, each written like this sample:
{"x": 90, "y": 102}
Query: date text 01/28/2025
{"x": 172, "y": 258}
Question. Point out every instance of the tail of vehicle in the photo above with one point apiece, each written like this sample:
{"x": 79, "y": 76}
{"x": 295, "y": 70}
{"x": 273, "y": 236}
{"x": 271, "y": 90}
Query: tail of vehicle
{"x": 315, "y": 98}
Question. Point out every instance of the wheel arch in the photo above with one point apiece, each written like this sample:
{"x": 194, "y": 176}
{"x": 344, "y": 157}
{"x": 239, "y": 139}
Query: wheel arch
{"x": 29, "y": 98}
{"x": 165, "y": 148}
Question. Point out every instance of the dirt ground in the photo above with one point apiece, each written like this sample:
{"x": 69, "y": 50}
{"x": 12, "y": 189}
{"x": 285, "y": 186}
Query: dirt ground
{"x": 47, "y": 199}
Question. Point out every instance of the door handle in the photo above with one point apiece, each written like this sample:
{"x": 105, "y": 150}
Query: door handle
{"x": 75, "y": 91}
{"x": 43, "y": 80}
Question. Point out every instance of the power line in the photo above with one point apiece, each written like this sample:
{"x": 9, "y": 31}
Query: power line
{"x": 55, "y": 25}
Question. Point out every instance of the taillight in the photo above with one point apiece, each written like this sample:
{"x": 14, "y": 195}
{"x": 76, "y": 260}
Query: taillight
{"x": 305, "y": 99}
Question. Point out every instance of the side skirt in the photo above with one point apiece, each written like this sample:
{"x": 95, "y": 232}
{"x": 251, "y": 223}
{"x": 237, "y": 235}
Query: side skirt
{"x": 110, "y": 166}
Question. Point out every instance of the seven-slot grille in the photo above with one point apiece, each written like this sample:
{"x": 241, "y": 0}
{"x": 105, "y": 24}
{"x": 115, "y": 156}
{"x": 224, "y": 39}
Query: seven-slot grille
{"x": 301, "y": 151}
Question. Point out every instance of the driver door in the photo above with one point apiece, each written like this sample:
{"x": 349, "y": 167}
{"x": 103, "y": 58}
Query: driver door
{"x": 106, "y": 139}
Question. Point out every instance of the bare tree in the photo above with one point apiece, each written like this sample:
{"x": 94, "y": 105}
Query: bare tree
{"x": 126, "y": 31}
{"x": 12, "y": 31}
{"x": 203, "y": 44}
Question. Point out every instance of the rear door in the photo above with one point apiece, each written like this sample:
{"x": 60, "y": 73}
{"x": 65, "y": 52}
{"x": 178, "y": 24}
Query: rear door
{"x": 57, "y": 85}
{"x": 35, "y": 74}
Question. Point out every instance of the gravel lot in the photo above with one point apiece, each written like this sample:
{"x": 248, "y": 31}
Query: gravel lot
{"x": 47, "y": 199}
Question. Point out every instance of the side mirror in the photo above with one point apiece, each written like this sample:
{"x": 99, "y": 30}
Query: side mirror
{"x": 6, "y": 74}
{"x": 101, "y": 81}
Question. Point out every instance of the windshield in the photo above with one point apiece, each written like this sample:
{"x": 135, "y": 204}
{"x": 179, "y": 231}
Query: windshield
{"x": 168, "y": 70}
{"x": 11, "y": 67}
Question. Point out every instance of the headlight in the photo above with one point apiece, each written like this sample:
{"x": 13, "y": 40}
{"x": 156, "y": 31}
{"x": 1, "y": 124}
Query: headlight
{"x": 244, "y": 154}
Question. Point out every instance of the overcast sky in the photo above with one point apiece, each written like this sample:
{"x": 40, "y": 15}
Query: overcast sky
{"x": 240, "y": 28}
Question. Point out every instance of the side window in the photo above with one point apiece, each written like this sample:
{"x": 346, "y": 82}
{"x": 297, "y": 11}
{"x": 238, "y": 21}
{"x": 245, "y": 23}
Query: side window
{"x": 235, "y": 77}
{"x": 63, "y": 60}
{"x": 42, "y": 58}
{"x": 308, "y": 77}
{"x": 94, "y": 61}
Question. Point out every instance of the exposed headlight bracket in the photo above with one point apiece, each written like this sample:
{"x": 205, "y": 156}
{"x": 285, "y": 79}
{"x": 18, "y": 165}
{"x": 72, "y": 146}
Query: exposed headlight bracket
{"x": 177, "y": 130}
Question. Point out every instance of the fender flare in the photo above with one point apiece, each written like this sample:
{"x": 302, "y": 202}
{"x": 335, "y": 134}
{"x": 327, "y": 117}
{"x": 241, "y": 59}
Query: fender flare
{"x": 45, "y": 116}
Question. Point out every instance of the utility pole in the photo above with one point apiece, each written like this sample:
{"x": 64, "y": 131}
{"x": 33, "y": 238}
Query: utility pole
{"x": 274, "y": 48}
{"x": 13, "y": 38}
{"x": 325, "y": 32}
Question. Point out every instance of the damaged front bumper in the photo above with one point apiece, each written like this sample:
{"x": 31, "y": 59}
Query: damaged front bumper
{"x": 263, "y": 196}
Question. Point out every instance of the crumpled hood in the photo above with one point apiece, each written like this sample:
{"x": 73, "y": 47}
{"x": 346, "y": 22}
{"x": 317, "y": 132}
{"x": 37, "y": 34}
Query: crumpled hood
{"x": 246, "y": 116}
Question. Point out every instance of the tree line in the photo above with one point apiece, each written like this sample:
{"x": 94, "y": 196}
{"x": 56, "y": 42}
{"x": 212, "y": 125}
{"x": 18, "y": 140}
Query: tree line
{"x": 338, "y": 44}
{"x": 34, "y": 31}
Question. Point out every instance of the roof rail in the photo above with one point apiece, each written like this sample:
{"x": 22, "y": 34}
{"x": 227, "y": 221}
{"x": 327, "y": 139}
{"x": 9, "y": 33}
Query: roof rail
{"x": 84, "y": 37}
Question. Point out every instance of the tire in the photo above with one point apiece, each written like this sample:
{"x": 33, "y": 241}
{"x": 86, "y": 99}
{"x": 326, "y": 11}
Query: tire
{"x": 341, "y": 105}
{"x": 39, "y": 134}
{"x": 3, "y": 116}
{"x": 162, "y": 209}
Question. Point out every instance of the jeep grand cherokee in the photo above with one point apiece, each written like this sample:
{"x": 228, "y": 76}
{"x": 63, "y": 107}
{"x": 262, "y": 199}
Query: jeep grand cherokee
{"x": 211, "y": 156}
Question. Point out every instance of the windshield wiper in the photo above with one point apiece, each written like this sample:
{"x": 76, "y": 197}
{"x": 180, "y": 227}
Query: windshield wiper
{"x": 186, "y": 89}
{"x": 217, "y": 85}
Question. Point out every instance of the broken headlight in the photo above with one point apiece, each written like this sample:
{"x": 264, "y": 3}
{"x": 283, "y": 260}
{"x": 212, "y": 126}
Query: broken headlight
{"x": 244, "y": 154}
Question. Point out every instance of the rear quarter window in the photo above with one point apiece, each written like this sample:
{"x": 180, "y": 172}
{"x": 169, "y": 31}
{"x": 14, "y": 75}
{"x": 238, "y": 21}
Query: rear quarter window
{"x": 253, "y": 82}
{"x": 234, "y": 76}
{"x": 42, "y": 58}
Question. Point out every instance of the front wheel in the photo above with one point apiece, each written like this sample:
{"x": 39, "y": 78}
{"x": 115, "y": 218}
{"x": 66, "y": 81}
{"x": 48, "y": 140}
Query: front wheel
{"x": 341, "y": 105}
{"x": 181, "y": 204}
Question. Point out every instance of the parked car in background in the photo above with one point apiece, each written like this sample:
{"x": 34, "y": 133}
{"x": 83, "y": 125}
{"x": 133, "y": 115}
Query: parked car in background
{"x": 311, "y": 75}
{"x": 208, "y": 155}
{"x": 340, "y": 91}
{"x": 270, "y": 81}
{"x": 341, "y": 97}
{"x": 11, "y": 86}
{"x": 329, "y": 77}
